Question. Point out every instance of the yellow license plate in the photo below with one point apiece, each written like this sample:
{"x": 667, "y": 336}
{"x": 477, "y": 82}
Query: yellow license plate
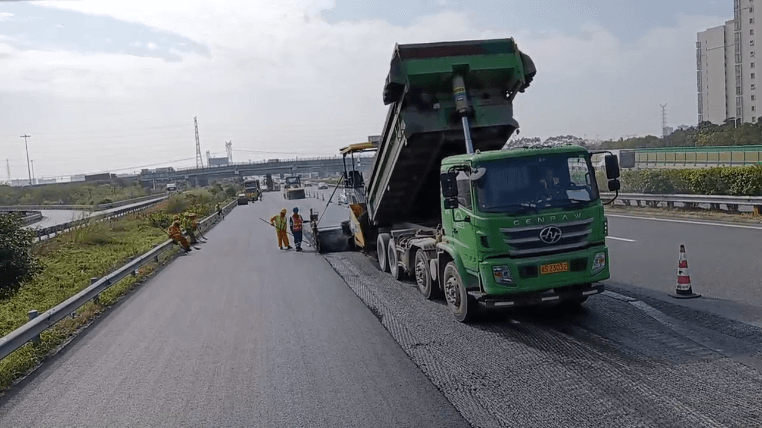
{"x": 554, "y": 268}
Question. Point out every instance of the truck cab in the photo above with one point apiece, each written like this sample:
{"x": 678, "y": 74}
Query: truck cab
{"x": 521, "y": 222}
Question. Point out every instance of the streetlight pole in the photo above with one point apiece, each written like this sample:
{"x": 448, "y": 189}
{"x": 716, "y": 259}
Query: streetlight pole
{"x": 28, "y": 167}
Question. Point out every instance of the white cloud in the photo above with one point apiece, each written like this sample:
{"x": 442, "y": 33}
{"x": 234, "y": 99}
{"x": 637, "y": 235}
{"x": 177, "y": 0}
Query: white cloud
{"x": 151, "y": 46}
{"x": 5, "y": 16}
{"x": 282, "y": 79}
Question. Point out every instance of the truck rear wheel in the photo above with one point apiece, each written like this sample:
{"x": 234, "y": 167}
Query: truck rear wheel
{"x": 423, "y": 276}
{"x": 459, "y": 302}
{"x": 397, "y": 271}
{"x": 382, "y": 242}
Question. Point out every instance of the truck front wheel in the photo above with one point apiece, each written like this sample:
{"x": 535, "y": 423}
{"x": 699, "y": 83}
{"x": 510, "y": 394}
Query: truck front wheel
{"x": 459, "y": 302}
{"x": 423, "y": 276}
{"x": 382, "y": 243}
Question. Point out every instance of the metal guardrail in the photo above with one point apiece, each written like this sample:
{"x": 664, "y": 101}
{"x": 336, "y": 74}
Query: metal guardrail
{"x": 99, "y": 207}
{"x": 753, "y": 201}
{"x": 32, "y": 329}
{"x": 47, "y": 231}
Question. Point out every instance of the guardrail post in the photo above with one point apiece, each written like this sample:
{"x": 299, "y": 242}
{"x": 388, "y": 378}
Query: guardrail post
{"x": 757, "y": 209}
{"x": 97, "y": 298}
{"x": 32, "y": 315}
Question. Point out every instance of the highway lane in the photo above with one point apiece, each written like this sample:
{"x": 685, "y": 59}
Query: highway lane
{"x": 724, "y": 260}
{"x": 55, "y": 217}
{"x": 236, "y": 334}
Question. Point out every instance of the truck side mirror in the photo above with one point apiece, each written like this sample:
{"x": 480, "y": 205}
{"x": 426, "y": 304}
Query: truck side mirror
{"x": 449, "y": 185}
{"x": 612, "y": 167}
{"x": 450, "y": 203}
{"x": 614, "y": 185}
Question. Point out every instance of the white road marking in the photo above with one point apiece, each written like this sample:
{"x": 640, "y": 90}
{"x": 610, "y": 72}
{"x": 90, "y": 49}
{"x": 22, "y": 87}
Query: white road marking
{"x": 620, "y": 239}
{"x": 739, "y": 226}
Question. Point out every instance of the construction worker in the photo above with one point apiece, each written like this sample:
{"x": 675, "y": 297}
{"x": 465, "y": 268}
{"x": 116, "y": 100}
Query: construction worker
{"x": 176, "y": 233}
{"x": 194, "y": 226}
{"x": 187, "y": 225}
{"x": 279, "y": 221}
{"x": 295, "y": 222}
{"x": 218, "y": 207}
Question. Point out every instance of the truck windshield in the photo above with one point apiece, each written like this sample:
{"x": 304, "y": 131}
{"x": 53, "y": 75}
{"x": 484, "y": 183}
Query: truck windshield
{"x": 532, "y": 183}
{"x": 292, "y": 180}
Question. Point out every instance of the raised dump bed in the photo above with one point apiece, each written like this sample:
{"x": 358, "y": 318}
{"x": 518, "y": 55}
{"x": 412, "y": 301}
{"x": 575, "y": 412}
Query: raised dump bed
{"x": 424, "y": 123}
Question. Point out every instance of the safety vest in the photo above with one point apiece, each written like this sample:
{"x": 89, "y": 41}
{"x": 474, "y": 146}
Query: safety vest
{"x": 280, "y": 222}
{"x": 296, "y": 222}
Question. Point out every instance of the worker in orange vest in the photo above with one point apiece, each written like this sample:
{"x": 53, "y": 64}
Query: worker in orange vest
{"x": 279, "y": 221}
{"x": 296, "y": 221}
{"x": 176, "y": 233}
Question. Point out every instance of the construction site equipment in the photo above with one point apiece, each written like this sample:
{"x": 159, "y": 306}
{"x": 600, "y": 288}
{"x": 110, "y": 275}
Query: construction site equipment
{"x": 293, "y": 189}
{"x": 487, "y": 228}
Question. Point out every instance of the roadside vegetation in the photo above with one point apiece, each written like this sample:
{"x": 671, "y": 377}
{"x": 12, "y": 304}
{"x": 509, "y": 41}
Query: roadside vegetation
{"x": 734, "y": 181}
{"x": 67, "y": 262}
{"x": 705, "y": 134}
{"x": 79, "y": 193}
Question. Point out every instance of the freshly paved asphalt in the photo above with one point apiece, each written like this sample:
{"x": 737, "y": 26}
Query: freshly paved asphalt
{"x": 236, "y": 334}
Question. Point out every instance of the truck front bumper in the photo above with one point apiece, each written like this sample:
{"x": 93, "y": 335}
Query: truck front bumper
{"x": 535, "y": 299}
{"x": 528, "y": 275}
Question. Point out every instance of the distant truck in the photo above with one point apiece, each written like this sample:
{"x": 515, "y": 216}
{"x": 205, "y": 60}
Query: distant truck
{"x": 292, "y": 188}
{"x": 483, "y": 227}
{"x": 172, "y": 187}
{"x": 252, "y": 190}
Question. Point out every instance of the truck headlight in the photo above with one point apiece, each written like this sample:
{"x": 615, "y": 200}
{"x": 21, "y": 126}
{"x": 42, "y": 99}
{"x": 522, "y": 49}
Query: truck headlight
{"x": 502, "y": 275}
{"x": 599, "y": 262}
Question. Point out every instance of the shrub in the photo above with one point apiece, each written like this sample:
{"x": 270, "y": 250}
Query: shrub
{"x": 17, "y": 265}
{"x": 734, "y": 181}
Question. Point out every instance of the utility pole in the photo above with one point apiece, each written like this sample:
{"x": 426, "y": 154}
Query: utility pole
{"x": 32, "y": 170}
{"x": 199, "y": 159}
{"x": 29, "y": 168}
{"x": 663, "y": 120}
{"x": 208, "y": 158}
{"x": 8, "y": 166}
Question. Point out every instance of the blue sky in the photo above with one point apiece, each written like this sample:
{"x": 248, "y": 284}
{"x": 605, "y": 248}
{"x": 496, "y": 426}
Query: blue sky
{"x": 111, "y": 85}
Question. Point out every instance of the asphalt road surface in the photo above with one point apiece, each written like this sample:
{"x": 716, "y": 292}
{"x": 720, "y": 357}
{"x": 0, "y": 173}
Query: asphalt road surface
{"x": 724, "y": 261}
{"x": 238, "y": 333}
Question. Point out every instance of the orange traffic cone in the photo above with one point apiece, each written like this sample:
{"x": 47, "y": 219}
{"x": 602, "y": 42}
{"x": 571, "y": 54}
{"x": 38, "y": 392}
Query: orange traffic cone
{"x": 683, "y": 289}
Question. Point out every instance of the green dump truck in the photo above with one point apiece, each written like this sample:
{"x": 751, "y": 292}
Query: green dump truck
{"x": 445, "y": 205}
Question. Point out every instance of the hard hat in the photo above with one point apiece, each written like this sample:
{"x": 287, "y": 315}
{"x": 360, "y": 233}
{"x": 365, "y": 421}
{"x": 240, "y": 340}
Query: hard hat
{"x": 296, "y": 210}
{"x": 283, "y": 211}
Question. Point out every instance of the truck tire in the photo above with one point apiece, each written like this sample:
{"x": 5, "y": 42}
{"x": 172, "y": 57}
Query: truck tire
{"x": 423, "y": 276}
{"x": 397, "y": 271}
{"x": 382, "y": 244}
{"x": 461, "y": 305}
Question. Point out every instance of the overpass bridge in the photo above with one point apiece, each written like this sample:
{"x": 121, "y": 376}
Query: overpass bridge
{"x": 200, "y": 176}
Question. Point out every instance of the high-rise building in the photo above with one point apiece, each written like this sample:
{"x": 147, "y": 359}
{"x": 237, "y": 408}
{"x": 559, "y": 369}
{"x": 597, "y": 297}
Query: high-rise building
{"x": 726, "y": 68}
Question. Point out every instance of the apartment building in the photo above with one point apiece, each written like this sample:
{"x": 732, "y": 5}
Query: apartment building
{"x": 726, "y": 67}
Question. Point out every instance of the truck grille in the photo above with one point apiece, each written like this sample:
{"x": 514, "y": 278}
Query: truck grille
{"x": 527, "y": 241}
